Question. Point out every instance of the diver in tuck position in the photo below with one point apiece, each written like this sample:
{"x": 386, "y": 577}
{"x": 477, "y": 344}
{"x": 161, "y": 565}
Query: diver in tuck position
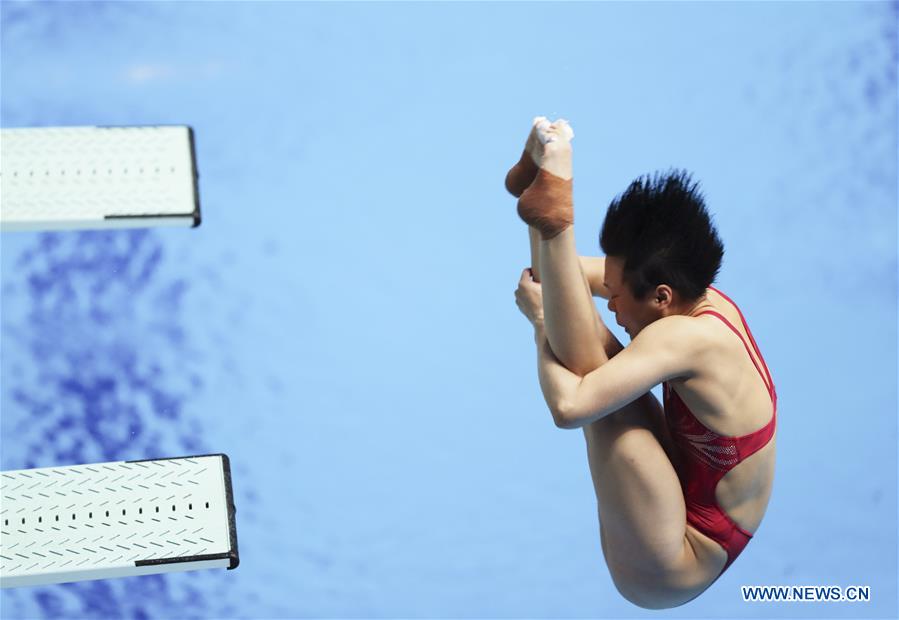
{"x": 681, "y": 488}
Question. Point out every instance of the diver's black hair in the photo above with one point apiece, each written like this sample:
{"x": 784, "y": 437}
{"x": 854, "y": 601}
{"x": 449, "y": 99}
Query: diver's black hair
{"x": 663, "y": 231}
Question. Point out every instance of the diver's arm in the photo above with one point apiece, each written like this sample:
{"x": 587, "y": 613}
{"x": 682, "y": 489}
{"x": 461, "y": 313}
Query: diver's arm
{"x": 667, "y": 348}
{"x": 594, "y": 268}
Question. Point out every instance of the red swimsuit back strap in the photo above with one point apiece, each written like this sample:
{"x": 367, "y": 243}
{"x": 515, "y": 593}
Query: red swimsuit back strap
{"x": 765, "y": 378}
{"x": 748, "y": 445}
{"x": 755, "y": 346}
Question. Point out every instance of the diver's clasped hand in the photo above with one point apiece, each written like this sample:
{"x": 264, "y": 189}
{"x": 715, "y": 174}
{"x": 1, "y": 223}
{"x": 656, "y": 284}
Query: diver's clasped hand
{"x": 529, "y": 298}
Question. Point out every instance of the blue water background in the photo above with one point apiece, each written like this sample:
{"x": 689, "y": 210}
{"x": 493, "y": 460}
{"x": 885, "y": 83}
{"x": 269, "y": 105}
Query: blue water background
{"x": 342, "y": 324}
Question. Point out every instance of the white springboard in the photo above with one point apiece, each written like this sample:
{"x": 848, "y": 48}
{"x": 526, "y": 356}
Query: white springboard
{"x": 117, "y": 519}
{"x": 60, "y": 178}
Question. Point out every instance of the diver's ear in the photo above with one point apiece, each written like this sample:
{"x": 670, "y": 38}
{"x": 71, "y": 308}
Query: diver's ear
{"x": 664, "y": 296}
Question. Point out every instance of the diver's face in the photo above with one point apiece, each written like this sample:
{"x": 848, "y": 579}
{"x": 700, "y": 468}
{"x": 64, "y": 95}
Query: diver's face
{"x": 631, "y": 314}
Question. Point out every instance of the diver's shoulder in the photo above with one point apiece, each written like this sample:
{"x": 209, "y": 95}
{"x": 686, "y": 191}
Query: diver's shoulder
{"x": 677, "y": 329}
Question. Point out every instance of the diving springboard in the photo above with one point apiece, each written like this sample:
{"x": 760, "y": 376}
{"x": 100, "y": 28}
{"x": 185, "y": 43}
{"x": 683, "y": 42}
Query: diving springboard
{"x": 118, "y": 519}
{"x": 60, "y": 178}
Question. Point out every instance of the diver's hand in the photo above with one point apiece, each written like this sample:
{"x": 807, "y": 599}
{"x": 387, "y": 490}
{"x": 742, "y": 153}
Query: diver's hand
{"x": 529, "y": 298}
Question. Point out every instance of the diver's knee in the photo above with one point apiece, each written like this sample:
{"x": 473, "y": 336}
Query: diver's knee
{"x": 649, "y": 598}
{"x": 647, "y": 592}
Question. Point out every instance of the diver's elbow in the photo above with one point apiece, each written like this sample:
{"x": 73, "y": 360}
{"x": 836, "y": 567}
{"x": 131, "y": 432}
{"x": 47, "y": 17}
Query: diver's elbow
{"x": 564, "y": 416}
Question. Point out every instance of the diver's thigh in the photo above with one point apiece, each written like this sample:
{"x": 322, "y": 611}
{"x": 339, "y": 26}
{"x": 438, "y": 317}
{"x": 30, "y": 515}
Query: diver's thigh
{"x": 655, "y": 558}
{"x": 641, "y": 504}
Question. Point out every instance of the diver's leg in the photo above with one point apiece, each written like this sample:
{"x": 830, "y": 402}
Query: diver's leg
{"x": 519, "y": 178}
{"x": 573, "y": 328}
{"x": 655, "y": 558}
{"x": 534, "y": 239}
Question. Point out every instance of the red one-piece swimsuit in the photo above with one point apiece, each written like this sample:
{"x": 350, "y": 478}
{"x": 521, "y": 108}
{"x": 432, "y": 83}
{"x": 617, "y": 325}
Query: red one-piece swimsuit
{"x": 705, "y": 456}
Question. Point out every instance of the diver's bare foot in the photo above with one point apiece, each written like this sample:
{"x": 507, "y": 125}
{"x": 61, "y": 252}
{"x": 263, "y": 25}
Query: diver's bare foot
{"x": 551, "y": 149}
{"x": 522, "y": 174}
{"x": 547, "y": 203}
